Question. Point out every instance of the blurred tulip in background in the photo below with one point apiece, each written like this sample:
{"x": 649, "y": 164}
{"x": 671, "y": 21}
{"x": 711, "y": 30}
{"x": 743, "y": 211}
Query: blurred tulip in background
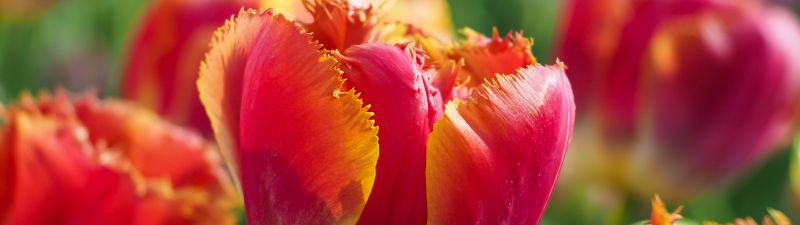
{"x": 106, "y": 162}
{"x": 163, "y": 58}
{"x": 681, "y": 97}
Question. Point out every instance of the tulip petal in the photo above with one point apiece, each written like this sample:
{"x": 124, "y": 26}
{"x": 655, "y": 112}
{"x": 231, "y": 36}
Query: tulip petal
{"x": 391, "y": 80}
{"x": 54, "y": 179}
{"x": 339, "y": 24}
{"x": 495, "y": 158}
{"x": 445, "y": 81}
{"x": 484, "y": 57}
{"x": 220, "y": 81}
{"x": 141, "y": 137}
{"x": 307, "y": 151}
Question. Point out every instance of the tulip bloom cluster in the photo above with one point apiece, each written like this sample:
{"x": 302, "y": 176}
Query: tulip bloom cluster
{"x": 685, "y": 95}
{"x": 91, "y": 162}
{"x": 328, "y": 122}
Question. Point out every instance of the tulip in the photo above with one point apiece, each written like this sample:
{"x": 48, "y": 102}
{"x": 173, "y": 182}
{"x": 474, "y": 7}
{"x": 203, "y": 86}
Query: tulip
{"x": 362, "y": 132}
{"x": 106, "y": 162}
{"x": 660, "y": 216}
{"x": 165, "y": 53}
{"x": 693, "y": 92}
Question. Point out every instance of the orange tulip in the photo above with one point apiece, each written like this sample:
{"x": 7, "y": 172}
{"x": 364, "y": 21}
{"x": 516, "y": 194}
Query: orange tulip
{"x": 337, "y": 127}
{"x": 91, "y": 162}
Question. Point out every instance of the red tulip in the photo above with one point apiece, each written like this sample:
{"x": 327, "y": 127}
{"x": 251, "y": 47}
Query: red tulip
{"x": 93, "y": 162}
{"x": 693, "y": 92}
{"x": 166, "y": 51}
{"x": 361, "y": 132}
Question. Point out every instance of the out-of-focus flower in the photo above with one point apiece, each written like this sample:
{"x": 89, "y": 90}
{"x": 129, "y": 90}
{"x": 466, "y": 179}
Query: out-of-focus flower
{"x": 91, "y": 162}
{"x": 660, "y": 216}
{"x": 307, "y": 141}
{"x": 682, "y": 96}
{"x": 429, "y": 15}
{"x": 23, "y": 9}
{"x": 165, "y": 54}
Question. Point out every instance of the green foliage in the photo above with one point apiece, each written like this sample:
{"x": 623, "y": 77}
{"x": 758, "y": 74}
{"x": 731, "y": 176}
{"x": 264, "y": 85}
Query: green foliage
{"x": 73, "y": 39}
{"x": 536, "y": 17}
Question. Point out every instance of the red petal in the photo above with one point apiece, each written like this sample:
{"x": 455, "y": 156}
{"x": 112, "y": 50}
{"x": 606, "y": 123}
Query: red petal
{"x": 496, "y": 157}
{"x": 220, "y": 81}
{"x": 391, "y": 80}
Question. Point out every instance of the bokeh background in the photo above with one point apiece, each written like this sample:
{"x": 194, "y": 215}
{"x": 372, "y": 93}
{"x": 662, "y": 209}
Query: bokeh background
{"x": 80, "y": 44}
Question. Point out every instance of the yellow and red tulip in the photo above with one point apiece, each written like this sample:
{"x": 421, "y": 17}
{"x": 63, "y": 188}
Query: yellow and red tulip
{"x": 106, "y": 162}
{"x": 166, "y": 51}
{"x": 362, "y": 132}
{"x": 692, "y": 92}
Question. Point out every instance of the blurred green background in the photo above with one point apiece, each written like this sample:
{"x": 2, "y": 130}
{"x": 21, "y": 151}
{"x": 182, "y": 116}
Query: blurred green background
{"x": 79, "y": 44}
